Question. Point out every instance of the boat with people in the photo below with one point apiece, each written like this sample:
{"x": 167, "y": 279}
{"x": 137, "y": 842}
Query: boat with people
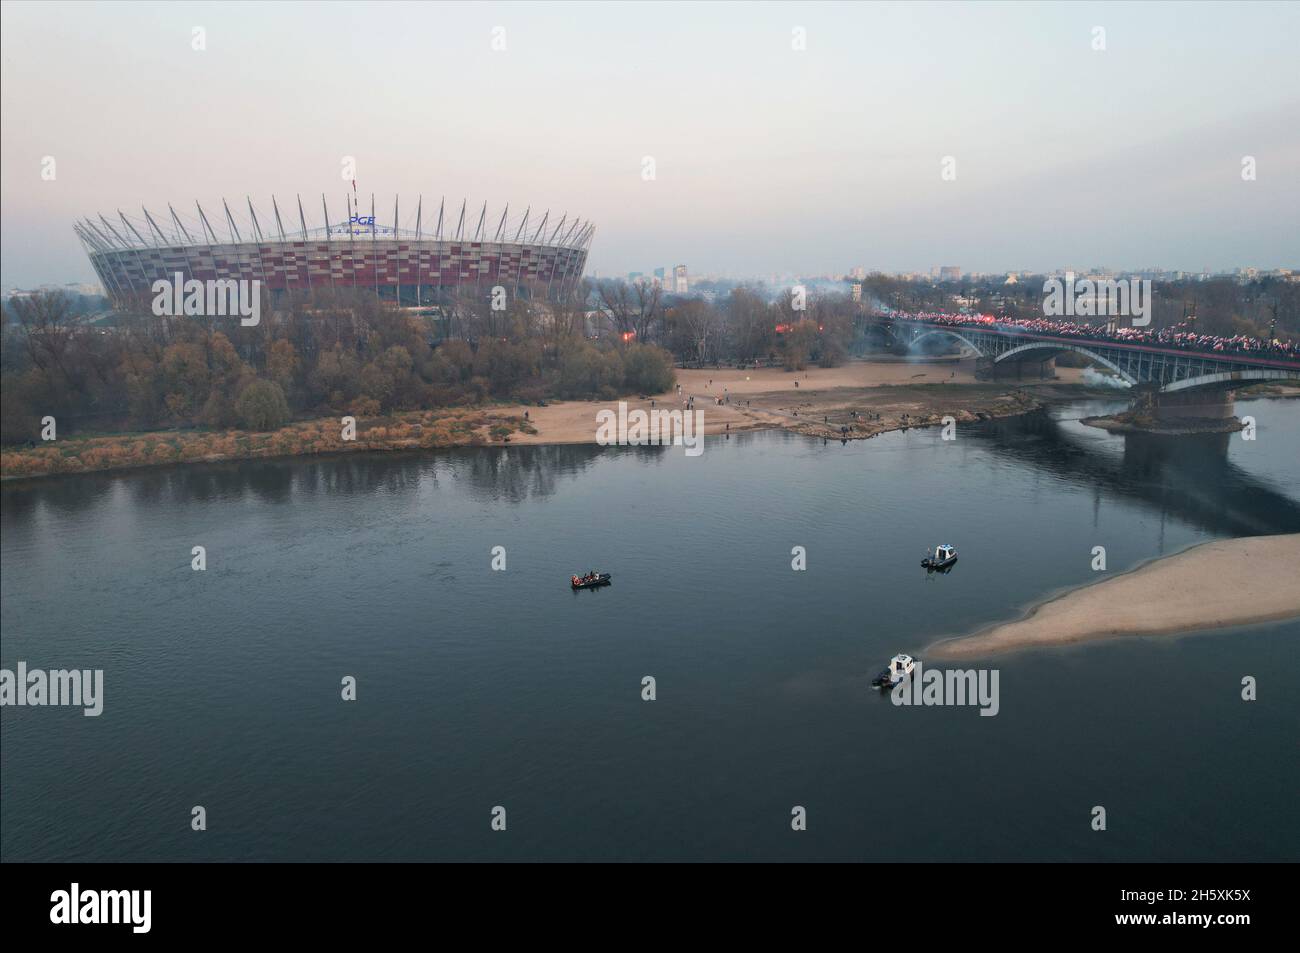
{"x": 900, "y": 667}
{"x": 591, "y": 580}
{"x": 942, "y": 557}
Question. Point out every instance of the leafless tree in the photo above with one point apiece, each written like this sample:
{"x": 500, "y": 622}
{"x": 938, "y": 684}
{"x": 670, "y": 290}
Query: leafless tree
{"x": 631, "y": 307}
{"x": 749, "y": 324}
{"x": 49, "y": 330}
{"x": 701, "y": 322}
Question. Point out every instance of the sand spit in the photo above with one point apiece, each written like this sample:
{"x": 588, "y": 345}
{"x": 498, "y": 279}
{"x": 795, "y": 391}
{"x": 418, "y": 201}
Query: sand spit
{"x": 1211, "y": 586}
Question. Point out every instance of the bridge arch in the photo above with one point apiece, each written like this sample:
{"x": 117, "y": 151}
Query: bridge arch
{"x": 1057, "y": 348}
{"x": 1231, "y": 378}
{"x": 960, "y": 337}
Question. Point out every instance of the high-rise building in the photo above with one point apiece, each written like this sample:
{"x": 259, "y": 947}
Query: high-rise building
{"x": 950, "y": 273}
{"x": 679, "y": 279}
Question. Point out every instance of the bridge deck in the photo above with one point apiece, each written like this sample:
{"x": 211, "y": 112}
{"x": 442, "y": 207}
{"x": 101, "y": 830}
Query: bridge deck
{"x": 1228, "y": 357}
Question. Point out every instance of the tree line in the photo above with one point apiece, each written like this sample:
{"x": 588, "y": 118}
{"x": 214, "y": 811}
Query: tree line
{"x": 746, "y": 326}
{"x": 1219, "y": 305}
{"x": 325, "y": 353}
{"x": 351, "y": 352}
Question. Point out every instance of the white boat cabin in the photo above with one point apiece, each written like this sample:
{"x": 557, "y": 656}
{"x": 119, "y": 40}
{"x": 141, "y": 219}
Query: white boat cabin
{"x": 901, "y": 665}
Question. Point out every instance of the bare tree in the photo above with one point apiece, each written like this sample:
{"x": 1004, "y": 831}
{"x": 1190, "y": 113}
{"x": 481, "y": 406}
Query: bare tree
{"x": 566, "y": 317}
{"x": 749, "y": 324}
{"x": 49, "y": 330}
{"x": 701, "y": 322}
{"x": 631, "y": 308}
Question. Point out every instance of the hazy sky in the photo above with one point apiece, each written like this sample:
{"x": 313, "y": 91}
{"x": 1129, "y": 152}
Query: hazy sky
{"x": 767, "y": 158}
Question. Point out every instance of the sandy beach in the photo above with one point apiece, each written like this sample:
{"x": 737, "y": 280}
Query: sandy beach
{"x": 1211, "y": 586}
{"x": 885, "y": 395}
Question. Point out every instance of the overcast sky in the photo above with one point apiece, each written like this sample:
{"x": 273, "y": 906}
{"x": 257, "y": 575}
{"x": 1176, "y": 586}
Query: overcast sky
{"x": 767, "y": 158}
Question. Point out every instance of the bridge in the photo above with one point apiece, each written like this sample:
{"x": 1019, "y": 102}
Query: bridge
{"x": 1174, "y": 382}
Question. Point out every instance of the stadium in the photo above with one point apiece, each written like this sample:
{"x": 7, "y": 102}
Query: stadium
{"x": 421, "y": 261}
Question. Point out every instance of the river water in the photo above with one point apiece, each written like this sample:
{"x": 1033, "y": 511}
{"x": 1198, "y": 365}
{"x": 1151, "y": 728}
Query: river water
{"x": 479, "y": 688}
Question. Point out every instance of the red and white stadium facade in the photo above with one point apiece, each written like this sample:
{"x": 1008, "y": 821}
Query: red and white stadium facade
{"x": 414, "y": 265}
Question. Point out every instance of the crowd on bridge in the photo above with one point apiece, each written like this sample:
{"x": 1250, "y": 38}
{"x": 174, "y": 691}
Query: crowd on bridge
{"x": 1181, "y": 336}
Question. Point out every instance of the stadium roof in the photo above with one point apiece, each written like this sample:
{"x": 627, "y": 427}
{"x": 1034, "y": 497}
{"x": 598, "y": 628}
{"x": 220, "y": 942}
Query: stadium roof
{"x": 362, "y": 222}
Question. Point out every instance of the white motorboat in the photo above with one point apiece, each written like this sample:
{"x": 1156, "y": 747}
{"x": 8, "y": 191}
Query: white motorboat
{"x": 900, "y": 667}
{"x": 942, "y": 557}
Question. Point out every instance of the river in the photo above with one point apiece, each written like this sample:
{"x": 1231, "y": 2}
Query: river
{"x": 478, "y": 688}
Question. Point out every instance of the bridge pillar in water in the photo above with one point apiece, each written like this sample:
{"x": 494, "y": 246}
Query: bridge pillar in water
{"x": 1026, "y": 370}
{"x": 1206, "y": 403}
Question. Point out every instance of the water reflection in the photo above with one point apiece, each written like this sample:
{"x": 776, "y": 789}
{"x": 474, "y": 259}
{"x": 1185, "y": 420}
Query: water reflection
{"x": 511, "y": 474}
{"x": 1186, "y": 477}
{"x": 1191, "y": 478}
{"x": 517, "y": 473}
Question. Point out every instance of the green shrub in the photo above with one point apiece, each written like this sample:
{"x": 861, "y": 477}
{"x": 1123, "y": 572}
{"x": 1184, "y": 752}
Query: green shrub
{"x": 261, "y": 406}
{"x": 648, "y": 369}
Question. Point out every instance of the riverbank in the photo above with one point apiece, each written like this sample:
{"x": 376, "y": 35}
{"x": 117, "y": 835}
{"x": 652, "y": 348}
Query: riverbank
{"x": 855, "y": 401}
{"x": 1210, "y": 586}
{"x": 416, "y": 430}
